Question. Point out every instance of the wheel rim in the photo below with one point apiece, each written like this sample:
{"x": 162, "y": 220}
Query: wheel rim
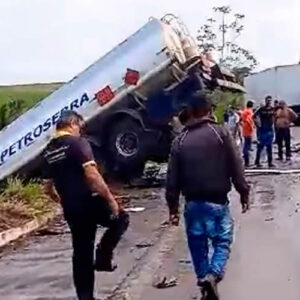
{"x": 127, "y": 143}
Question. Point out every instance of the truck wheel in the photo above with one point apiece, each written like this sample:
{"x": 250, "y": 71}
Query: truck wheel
{"x": 126, "y": 148}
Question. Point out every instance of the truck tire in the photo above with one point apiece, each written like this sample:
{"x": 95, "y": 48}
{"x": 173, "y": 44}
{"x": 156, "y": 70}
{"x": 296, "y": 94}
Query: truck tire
{"x": 126, "y": 148}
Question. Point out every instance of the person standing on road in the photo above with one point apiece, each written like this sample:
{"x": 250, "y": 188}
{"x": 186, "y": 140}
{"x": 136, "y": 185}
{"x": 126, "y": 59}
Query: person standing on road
{"x": 265, "y": 124}
{"x": 204, "y": 161}
{"x": 248, "y": 130}
{"x": 71, "y": 177}
{"x": 233, "y": 124}
{"x": 284, "y": 117}
{"x": 276, "y": 107}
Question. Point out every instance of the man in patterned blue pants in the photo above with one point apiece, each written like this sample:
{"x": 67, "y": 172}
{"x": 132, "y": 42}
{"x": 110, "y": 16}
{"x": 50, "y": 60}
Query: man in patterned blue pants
{"x": 204, "y": 162}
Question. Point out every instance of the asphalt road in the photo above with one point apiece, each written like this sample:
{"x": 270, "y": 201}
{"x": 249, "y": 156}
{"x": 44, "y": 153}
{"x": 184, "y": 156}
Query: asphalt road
{"x": 264, "y": 264}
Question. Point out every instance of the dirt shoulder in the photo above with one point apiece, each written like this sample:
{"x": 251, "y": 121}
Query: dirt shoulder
{"x": 23, "y": 202}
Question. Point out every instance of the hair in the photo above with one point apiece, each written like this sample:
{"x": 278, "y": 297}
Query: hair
{"x": 269, "y": 97}
{"x": 200, "y": 104}
{"x": 282, "y": 102}
{"x": 249, "y": 104}
{"x": 183, "y": 116}
{"x": 68, "y": 117}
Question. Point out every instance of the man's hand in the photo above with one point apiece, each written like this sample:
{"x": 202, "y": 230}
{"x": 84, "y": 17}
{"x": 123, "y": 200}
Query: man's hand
{"x": 98, "y": 186}
{"x": 174, "y": 219}
{"x": 245, "y": 203}
{"x": 50, "y": 190}
{"x": 115, "y": 208}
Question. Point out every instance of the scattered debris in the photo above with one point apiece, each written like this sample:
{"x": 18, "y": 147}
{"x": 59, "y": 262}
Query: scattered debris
{"x": 55, "y": 227}
{"x": 271, "y": 171}
{"x": 156, "y": 170}
{"x": 134, "y": 209}
{"x": 164, "y": 282}
{"x": 144, "y": 245}
{"x": 165, "y": 224}
{"x": 185, "y": 261}
{"x": 154, "y": 176}
{"x": 269, "y": 219}
{"x": 123, "y": 199}
{"x": 266, "y": 192}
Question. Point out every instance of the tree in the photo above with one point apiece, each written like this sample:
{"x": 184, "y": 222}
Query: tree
{"x": 222, "y": 34}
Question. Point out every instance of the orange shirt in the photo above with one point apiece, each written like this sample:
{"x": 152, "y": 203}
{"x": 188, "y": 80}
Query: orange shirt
{"x": 247, "y": 122}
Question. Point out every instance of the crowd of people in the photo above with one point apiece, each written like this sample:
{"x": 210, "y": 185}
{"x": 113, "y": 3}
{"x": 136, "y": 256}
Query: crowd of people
{"x": 271, "y": 122}
{"x": 204, "y": 163}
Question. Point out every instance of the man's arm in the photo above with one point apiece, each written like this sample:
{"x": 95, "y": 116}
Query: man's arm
{"x": 256, "y": 112}
{"x": 98, "y": 185}
{"x": 173, "y": 180}
{"x": 293, "y": 115}
{"x": 50, "y": 190}
{"x": 83, "y": 154}
{"x": 237, "y": 169}
{"x": 256, "y": 117}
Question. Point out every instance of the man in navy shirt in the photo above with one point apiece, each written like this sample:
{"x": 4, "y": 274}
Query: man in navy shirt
{"x": 71, "y": 177}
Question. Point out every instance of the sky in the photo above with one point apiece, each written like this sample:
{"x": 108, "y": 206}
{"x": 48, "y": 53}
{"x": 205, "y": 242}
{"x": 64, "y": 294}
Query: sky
{"x": 53, "y": 40}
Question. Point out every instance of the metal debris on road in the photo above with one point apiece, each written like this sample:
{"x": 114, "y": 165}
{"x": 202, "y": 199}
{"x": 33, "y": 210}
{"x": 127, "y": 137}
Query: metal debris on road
{"x": 164, "y": 282}
{"x": 134, "y": 209}
{"x": 154, "y": 176}
{"x": 185, "y": 261}
{"x": 144, "y": 245}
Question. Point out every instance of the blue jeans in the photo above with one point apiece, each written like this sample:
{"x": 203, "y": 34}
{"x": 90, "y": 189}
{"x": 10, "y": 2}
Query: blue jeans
{"x": 208, "y": 222}
{"x": 246, "y": 149}
{"x": 266, "y": 137}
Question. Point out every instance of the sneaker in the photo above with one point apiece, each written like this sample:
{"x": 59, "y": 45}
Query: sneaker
{"x": 210, "y": 285}
{"x": 105, "y": 266}
{"x": 258, "y": 165}
{"x": 203, "y": 290}
{"x": 271, "y": 165}
{"x": 288, "y": 158}
{"x": 204, "y": 295}
{"x": 279, "y": 158}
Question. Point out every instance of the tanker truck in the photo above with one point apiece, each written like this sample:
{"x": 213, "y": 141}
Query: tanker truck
{"x": 128, "y": 99}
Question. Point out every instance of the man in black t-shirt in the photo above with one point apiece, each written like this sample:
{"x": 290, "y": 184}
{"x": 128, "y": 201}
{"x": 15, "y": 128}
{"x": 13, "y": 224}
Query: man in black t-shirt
{"x": 264, "y": 117}
{"x": 71, "y": 177}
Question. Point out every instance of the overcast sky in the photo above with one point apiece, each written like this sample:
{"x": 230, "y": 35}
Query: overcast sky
{"x": 53, "y": 40}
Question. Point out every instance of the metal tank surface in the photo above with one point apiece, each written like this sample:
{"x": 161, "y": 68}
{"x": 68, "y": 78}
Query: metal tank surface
{"x": 149, "y": 51}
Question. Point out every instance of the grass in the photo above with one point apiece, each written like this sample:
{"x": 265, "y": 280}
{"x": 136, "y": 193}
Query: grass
{"x": 21, "y": 202}
{"x": 29, "y": 93}
{"x": 16, "y": 99}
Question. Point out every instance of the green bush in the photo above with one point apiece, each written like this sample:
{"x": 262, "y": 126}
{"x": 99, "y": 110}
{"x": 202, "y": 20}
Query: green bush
{"x": 223, "y": 100}
{"x": 10, "y": 111}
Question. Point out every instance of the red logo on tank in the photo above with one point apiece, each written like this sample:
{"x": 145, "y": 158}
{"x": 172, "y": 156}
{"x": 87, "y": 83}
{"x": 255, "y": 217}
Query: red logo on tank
{"x": 105, "y": 95}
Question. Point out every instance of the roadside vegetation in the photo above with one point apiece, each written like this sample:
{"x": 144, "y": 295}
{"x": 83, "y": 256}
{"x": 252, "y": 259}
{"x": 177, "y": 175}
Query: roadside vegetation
{"x": 16, "y": 99}
{"x": 223, "y": 100}
{"x": 21, "y": 202}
